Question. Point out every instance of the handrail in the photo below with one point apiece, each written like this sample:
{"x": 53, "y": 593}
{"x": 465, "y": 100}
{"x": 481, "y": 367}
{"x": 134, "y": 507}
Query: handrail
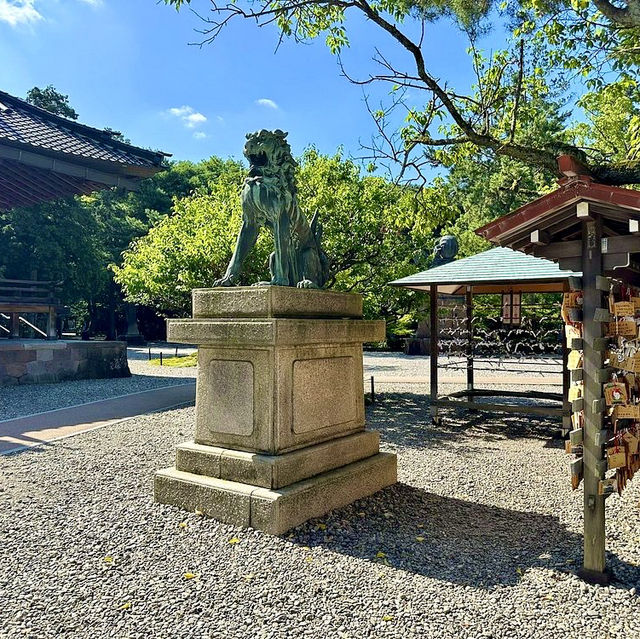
{"x": 50, "y": 282}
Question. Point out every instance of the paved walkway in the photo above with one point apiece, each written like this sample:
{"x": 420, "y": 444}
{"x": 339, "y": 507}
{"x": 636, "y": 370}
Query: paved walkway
{"x": 33, "y": 430}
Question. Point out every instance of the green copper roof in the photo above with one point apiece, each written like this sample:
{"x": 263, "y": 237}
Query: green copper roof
{"x": 496, "y": 266}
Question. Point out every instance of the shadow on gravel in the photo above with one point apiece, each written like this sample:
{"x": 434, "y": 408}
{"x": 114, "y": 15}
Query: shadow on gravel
{"x": 452, "y": 540}
{"x": 404, "y": 421}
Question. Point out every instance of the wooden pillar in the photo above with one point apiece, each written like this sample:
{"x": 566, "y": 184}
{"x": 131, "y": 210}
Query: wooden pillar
{"x": 469, "y": 327}
{"x": 593, "y": 566}
{"x": 566, "y": 383}
{"x": 15, "y": 325}
{"x": 434, "y": 351}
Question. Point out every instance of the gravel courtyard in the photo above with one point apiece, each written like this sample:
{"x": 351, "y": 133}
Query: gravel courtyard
{"x": 479, "y": 539}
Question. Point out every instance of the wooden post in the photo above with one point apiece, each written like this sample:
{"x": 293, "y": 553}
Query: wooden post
{"x": 566, "y": 383}
{"x": 15, "y": 325}
{"x": 593, "y": 566}
{"x": 434, "y": 352}
{"x": 469, "y": 326}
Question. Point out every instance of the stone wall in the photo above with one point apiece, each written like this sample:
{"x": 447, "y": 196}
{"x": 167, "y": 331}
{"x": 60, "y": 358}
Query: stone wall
{"x": 37, "y": 361}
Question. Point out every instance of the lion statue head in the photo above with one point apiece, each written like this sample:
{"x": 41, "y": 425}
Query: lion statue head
{"x": 269, "y": 156}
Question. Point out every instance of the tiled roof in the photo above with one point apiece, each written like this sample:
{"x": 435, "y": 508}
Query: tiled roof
{"x": 495, "y": 266}
{"x": 28, "y": 126}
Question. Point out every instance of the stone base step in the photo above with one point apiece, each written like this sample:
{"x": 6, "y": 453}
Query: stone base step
{"x": 275, "y": 511}
{"x": 275, "y": 471}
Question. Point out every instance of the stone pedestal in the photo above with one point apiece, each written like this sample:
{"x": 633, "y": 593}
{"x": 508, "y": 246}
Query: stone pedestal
{"x": 279, "y": 432}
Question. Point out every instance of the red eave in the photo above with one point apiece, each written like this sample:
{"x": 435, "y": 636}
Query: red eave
{"x": 574, "y": 190}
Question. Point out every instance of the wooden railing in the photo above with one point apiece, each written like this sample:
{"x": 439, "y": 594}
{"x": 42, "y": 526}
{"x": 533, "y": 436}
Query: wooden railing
{"x": 27, "y": 296}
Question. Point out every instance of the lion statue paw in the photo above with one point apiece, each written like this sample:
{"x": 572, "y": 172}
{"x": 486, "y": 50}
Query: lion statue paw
{"x": 306, "y": 284}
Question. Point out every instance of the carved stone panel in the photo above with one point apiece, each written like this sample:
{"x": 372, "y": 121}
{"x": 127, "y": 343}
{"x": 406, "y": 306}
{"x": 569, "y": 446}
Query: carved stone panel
{"x": 324, "y": 393}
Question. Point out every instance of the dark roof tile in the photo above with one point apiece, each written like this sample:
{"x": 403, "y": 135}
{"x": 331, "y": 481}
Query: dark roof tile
{"x": 22, "y": 123}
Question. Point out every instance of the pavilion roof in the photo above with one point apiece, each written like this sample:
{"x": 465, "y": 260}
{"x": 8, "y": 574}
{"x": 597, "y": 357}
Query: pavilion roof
{"x": 551, "y": 226}
{"x": 44, "y": 156}
{"x": 493, "y": 271}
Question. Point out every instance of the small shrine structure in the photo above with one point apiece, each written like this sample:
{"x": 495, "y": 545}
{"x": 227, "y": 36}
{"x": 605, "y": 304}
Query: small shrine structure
{"x": 594, "y": 229}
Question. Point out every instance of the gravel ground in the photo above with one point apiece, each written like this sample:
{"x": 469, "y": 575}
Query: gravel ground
{"x": 16, "y": 401}
{"x": 479, "y": 539}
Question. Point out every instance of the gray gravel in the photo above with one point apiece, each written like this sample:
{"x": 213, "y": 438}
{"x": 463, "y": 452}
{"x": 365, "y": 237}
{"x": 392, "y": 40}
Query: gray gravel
{"x": 479, "y": 539}
{"x": 17, "y": 401}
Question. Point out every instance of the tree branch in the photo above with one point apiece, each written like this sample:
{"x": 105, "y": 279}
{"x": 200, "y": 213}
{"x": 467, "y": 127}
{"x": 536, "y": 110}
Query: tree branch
{"x": 628, "y": 16}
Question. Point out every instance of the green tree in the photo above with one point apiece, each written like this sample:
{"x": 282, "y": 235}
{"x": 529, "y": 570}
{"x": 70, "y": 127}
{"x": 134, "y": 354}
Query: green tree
{"x": 551, "y": 43}
{"x": 52, "y": 100}
{"x": 374, "y": 231}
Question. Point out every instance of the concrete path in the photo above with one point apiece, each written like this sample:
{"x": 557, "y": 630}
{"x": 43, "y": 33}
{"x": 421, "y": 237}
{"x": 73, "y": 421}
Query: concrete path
{"x": 33, "y": 430}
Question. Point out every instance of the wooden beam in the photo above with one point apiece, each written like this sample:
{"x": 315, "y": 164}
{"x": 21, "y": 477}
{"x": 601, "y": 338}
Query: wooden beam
{"x": 570, "y": 264}
{"x": 540, "y": 237}
{"x": 501, "y": 408}
{"x": 620, "y": 244}
{"x": 559, "y": 250}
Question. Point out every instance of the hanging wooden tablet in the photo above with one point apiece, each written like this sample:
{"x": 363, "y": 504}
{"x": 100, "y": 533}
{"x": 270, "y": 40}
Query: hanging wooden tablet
{"x": 574, "y": 361}
{"x": 607, "y": 486}
{"x": 616, "y": 457}
{"x": 615, "y": 393}
{"x": 624, "y": 309}
{"x": 626, "y": 412}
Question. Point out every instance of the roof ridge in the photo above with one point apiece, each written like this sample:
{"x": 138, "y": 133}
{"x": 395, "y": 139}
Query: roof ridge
{"x": 78, "y": 127}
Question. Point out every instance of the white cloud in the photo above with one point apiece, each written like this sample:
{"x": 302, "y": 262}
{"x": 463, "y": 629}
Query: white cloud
{"x": 189, "y": 116}
{"x": 200, "y": 135}
{"x": 15, "y": 12}
{"x": 19, "y": 12}
{"x": 266, "y": 102}
{"x": 195, "y": 119}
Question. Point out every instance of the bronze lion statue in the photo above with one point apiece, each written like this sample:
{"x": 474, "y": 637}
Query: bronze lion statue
{"x": 269, "y": 198}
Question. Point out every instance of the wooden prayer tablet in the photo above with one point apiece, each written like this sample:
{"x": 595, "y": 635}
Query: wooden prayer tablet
{"x": 616, "y": 457}
{"x": 607, "y": 486}
{"x": 574, "y": 360}
{"x": 626, "y": 328}
{"x": 624, "y": 309}
{"x": 626, "y": 412}
{"x": 615, "y": 393}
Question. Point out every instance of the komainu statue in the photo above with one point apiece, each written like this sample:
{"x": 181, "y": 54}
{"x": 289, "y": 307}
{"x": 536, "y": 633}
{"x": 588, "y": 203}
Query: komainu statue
{"x": 445, "y": 250}
{"x": 269, "y": 198}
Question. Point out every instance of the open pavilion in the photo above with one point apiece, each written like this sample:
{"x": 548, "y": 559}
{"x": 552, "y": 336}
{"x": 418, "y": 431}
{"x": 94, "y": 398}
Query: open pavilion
{"x": 496, "y": 271}
{"x": 44, "y": 157}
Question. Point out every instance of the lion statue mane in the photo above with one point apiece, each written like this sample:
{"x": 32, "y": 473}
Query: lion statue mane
{"x": 269, "y": 199}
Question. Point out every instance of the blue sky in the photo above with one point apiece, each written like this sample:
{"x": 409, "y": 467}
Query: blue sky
{"x": 128, "y": 65}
